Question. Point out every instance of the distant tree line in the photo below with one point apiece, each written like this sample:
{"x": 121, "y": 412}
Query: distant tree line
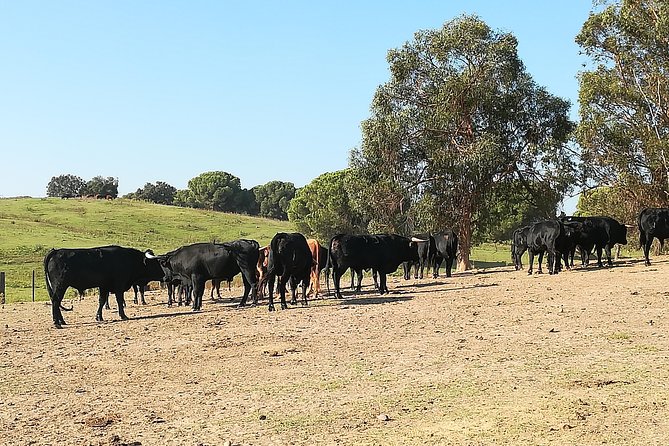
{"x": 216, "y": 191}
{"x": 69, "y": 186}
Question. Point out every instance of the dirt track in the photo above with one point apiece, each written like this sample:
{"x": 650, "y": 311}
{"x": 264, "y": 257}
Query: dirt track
{"x": 487, "y": 357}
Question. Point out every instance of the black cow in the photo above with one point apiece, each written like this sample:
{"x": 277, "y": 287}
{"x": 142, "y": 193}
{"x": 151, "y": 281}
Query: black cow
{"x": 519, "y": 246}
{"x": 112, "y": 269}
{"x": 382, "y": 253}
{"x": 446, "y": 244}
{"x": 426, "y": 251}
{"x": 550, "y": 236}
{"x": 195, "y": 264}
{"x": 182, "y": 289}
{"x": 154, "y": 273}
{"x": 600, "y": 233}
{"x": 290, "y": 258}
{"x": 652, "y": 223}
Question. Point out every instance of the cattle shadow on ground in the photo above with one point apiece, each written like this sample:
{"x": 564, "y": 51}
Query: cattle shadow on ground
{"x": 616, "y": 264}
{"x": 432, "y": 282}
{"x": 374, "y": 300}
{"x": 484, "y": 265}
{"x": 160, "y": 316}
{"x": 460, "y": 288}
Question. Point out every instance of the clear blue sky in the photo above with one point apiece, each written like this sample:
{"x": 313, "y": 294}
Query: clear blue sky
{"x": 158, "y": 90}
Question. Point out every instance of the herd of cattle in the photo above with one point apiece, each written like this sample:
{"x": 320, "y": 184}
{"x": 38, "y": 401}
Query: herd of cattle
{"x": 561, "y": 237}
{"x": 292, "y": 258}
{"x": 288, "y": 258}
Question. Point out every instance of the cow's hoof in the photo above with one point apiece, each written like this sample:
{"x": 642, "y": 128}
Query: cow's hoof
{"x": 57, "y": 325}
{"x": 99, "y": 318}
{"x": 271, "y": 308}
{"x": 124, "y": 318}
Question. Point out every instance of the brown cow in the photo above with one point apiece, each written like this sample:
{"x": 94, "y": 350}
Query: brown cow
{"x": 314, "y": 247}
{"x": 262, "y": 270}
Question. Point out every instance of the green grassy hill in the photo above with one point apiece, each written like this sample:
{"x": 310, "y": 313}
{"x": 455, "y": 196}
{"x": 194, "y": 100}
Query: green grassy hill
{"x": 29, "y": 227}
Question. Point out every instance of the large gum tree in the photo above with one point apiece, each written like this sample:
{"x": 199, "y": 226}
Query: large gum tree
{"x": 459, "y": 117}
{"x": 624, "y": 102}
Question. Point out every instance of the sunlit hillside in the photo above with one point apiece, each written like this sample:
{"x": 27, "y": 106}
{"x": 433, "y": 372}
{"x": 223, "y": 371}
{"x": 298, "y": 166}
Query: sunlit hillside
{"x": 29, "y": 227}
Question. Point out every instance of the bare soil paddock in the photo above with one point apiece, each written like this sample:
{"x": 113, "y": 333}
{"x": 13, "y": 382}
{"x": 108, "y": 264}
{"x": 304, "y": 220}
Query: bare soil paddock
{"x": 490, "y": 357}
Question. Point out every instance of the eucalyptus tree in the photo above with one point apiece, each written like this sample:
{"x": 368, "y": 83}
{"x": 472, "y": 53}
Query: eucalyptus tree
{"x": 459, "y": 116}
{"x": 624, "y": 101}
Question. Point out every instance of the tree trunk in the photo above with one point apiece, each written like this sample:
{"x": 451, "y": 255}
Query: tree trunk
{"x": 465, "y": 241}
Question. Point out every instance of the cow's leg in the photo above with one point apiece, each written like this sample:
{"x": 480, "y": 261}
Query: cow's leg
{"x": 554, "y": 266}
{"x": 282, "y": 290}
{"x": 120, "y": 301}
{"x": 103, "y": 300}
{"x": 646, "y": 249}
{"x": 358, "y": 287}
{"x": 406, "y": 266}
{"x": 599, "y": 256}
{"x": 293, "y": 291}
{"x": 336, "y": 279}
{"x": 317, "y": 277}
{"x": 449, "y": 266}
{"x": 541, "y": 260}
{"x": 607, "y": 250}
{"x": 435, "y": 268}
{"x": 383, "y": 288}
{"x": 305, "y": 285}
{"x": 270, "y": 292}
{"x": 56, "y": 302}
{"x": 170, "y": 294}
{"x": 198, "y": 292}
{"x": 247, "y": 289}
{"x": 139, "y": 289}
{"x": 530, "y": 261}
{"x": 421, "y": 269}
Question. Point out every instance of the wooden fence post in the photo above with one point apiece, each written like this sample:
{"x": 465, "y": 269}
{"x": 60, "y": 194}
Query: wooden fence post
{"x": 2, "y": 287}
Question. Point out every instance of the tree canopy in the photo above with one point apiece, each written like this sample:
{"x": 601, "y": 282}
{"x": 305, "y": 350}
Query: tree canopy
{"x": 160, "y": 192}
{"x": 459, "y": 118}
{"x": 101, "y": 186}
{"x": 65, "y": 186}
{"x": 217, "y": 191}
{"x": 322, "y": 208}
{"x": 273, "y": 199}
{"x": 624, "y": 101}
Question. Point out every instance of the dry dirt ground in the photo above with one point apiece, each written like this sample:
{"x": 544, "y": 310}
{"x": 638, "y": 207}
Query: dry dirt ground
{"x": 488, "y": 357}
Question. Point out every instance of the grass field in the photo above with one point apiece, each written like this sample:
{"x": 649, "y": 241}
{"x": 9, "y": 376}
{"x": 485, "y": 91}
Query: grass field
{"x": 29, "y": 227}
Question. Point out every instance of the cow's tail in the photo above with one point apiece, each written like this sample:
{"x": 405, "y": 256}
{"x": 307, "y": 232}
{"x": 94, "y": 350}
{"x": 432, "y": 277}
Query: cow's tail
{"x": 328, "y": 266}
{"x": 49, "y": 287}
{"x": 642, "y": 234}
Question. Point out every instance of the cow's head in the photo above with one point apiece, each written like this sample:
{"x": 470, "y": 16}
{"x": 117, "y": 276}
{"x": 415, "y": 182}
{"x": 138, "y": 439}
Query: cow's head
{"x": 163, "y": 260}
